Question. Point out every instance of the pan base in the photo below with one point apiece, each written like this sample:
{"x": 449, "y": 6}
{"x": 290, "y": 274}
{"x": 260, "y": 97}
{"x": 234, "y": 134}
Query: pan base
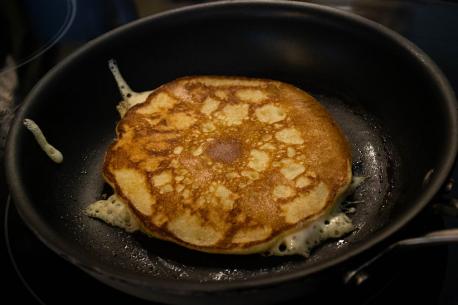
{"x": 373, "y": 158}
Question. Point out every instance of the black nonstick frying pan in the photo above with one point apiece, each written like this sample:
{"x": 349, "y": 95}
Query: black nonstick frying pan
{"x": 394, "y": 105}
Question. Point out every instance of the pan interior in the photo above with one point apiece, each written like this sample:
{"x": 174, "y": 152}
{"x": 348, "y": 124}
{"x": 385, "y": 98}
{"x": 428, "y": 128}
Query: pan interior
{"x": 373, "y": 158}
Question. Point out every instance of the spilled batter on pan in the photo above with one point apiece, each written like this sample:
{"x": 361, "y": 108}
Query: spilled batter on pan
{"x": 227, "y": 165}
{"x": 53, "y": 153}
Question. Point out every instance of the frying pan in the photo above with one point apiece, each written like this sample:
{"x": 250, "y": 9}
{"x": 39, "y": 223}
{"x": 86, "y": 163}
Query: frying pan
{"x": 394, "y": 105}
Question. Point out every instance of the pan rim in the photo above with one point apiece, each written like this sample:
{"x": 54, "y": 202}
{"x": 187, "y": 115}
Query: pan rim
{"x": 64, "y": 249}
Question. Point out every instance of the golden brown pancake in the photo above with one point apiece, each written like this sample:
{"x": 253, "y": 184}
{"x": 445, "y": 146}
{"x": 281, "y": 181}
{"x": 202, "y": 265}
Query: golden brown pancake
{"x": 228, "y": 164}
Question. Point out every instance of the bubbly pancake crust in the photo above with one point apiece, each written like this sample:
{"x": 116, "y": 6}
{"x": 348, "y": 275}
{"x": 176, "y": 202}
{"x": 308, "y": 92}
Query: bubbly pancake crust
{"x": 228, "y": 164}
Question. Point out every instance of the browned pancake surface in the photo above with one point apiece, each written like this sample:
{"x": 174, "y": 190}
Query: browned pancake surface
{"x": 227, "y": 165}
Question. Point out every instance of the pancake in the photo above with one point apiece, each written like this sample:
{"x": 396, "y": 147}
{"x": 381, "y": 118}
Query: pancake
{"x": 228, "y": 164}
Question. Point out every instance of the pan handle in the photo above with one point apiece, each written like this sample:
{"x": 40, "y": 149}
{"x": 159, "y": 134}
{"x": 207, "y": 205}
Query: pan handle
{"x": 361, "y": 274}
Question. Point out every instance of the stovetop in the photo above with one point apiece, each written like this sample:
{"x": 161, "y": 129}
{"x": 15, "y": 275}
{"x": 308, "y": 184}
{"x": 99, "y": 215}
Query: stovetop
{"x": 36, "y": 34}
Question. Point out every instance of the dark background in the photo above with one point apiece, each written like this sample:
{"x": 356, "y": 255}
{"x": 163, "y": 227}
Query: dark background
{"x": 36, "y": 34}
